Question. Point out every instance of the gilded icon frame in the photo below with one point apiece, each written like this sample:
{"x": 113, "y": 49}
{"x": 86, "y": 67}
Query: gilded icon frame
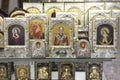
{"x": 20, "y": 41}
{"x": 35, "y": 8}
{"x": 96, "y": 66}
{"x": 67, "y": 67}
{"x": 83, "y": 49}
{"x": 51, "y": 8}
{"x": 22, "y": 72}
{"x": 5, "y": 69}
{"x": 40, "y": 66}
{"x": 97, "y": 23}
{"x": 38, "y": 49}
{"x": 42, "y": 22}
{"x": 64, "y": 24}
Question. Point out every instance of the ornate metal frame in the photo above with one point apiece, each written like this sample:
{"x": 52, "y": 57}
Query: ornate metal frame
{"x": 42, "y": 47}
{"x": 111, "y": 21}
{"x": 85, "y": 53}
{"x": 50, "y": 7}
{"x": 69, "y": 66}
{"x": 56, "y": 23}
{"x": 94, "y": 65}
{"x": 36, "y": 7}
{"x": 22, "y": 72}
{"x": 5, "y": 72}
{"x": 40, "y": 66}
{"x": 44, "y": 20}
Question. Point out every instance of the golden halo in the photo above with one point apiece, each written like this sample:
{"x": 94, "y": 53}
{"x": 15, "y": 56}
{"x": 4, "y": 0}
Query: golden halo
{"x": 16, "y": 28}
{"x": 104, "y": 29}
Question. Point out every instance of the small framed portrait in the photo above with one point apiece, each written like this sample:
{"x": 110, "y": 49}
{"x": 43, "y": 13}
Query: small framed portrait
{"x": 5, "y": 73}
{"x": 74, "y": 7}
{"x": 22, "y": 72}
{"x": 42, "y": 71}
{"x": 17, "y": 37}
{"x": 61, "y": 32}
{"x": 105, "y": 31}
{"x": 96, "y": 14}
{"x": 92, "y": 6}
{"x": 112, "y": 6}
{"x": 52, "y": 8}
{"x": 18, "y": 13}
{"x": 94, "y": 71}
{"x": 37, "y": 26}
{"x": 62, "y": 53}
{"x": 83, "y": 48}
{"x": 34, "y": 8}
{"x": 38, "y": 49}
{"x": 16, "y": 32}
{"x": 80, "y": 71}
{"x": 66, "y": 71}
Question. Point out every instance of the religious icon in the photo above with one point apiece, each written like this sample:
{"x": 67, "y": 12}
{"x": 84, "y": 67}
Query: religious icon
{"x": 61, "y": 38}
{"x": 66, "y": 75}
{"x": 53, "y": 14}
{"x": 36, "y": 29}
{"x": 22, "y": 72}
{"x": 105, "y": 34}
{"x": 61, "y": 32}
{"x": 94, "y": 71}
{"x": 42, "y": 71}
{"x": 66, "y": 71}
{"x": 16, "y": 38}
{"x": 52, "y": 8}
{"x": 37, "y": 26}
{"x": 83, "y": 48}
{"x": 34, "y": 8}
{"x": 105, "y": 31}
{"x": 94, "y": 75}
{"x": 16, "y": 35}
{"x": 38, "y": 49}
{"x": 4, "y": 71}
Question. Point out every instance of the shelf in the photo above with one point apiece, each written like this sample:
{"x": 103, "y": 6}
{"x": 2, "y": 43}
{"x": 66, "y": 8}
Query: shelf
{"x": 53, "y": 59}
